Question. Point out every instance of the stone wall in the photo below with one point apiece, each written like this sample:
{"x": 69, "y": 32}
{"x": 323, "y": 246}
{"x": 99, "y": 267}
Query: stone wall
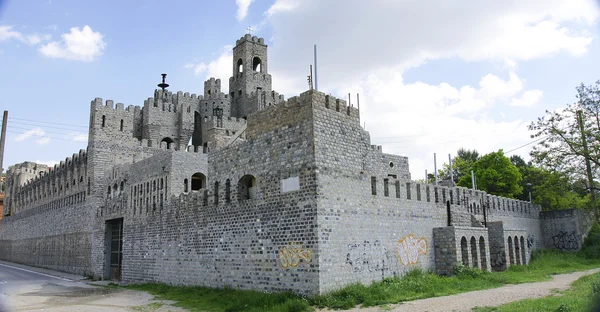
{"x": 56, "y": 237}
{"x": 566, "y": 229}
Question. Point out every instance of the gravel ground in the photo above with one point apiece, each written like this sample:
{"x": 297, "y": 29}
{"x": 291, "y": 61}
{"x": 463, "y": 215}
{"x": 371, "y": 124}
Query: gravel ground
{"x": 488, "y": 298}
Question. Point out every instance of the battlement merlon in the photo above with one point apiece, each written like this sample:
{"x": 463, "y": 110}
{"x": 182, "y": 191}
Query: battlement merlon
{"x": 271, "y": 117}
{"x": 250, "y": 38}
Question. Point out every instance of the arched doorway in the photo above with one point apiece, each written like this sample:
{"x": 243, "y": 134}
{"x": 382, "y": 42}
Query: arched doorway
{"x": 167, "y": 141}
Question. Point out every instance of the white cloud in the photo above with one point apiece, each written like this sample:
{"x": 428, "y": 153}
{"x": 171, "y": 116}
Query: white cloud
{"x": 37, "y": 132}
{"x": 221, "y": 67}
{"x": 79, "y": 137}
{"x": 282, "y": 6}
{"x": 7, "y": 33}
{"x": 409, "y": 33}
{"x": 79, "y": 44}
{"x": 529, "y": 98}
{"x": 242, "y": 10}
{"x": 435, "y": 118}
{"x": 49, "y": 163}
{"x": 36, "y": 39}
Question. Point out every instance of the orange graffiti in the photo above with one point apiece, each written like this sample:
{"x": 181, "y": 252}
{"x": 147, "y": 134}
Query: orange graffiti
{"x": 290, "y": 255}
{"x": 409, "y": 248}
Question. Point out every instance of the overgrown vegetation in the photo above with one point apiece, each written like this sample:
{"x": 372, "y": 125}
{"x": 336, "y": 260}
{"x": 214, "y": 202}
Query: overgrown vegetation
{"x": 416, "y": 284}
{"x": 227, "y": 299}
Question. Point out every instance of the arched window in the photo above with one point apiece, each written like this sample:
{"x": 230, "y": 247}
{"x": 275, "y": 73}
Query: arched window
{"x": 256, "y": 64}
{"x": 511, "y": 253}
{"x": 482, "y": 253}
{"x": 103, "y": 121}
{"x": 228, "y": 191}
{"x": 517, "y": 251}
{"x": 474, "y": 252}
{"x": 185, "y": 185}
{"x": 167, "y": 141}
{"x": 523, "y": 253}
{"x": 240, "y": 66}
{"x": 121, "y": 124}
{"x": 198, "y": 181}
{"x": 247, "y": 187}
{"x": 464, "y": 250}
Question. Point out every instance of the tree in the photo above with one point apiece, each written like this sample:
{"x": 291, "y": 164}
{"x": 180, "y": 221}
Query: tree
{"x": 570, "y": 138}
{"x": 461, "y": 165}
{"x": 496, "y": 175}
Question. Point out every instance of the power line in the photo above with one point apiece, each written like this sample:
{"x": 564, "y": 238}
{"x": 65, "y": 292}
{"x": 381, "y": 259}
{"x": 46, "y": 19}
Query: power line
{"x": 514, "y": 149}
{"x": 47, "y": 122}
{"x": 60, "y": 133}
{"x": 44, "y": 136}
{"x": 34, "y": 125}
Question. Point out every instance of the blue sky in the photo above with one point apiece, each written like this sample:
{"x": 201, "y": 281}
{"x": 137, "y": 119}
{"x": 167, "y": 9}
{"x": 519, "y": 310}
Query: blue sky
{"x": 432, "y": 77}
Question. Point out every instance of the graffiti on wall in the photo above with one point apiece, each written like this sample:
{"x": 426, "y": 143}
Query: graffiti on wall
{"x": 564, "y": 240}
{"x": 530, "y": 240}
{"x": 292, "y": 254}
{"x": 409, "y": 248}
{"x": 369, "y": 257}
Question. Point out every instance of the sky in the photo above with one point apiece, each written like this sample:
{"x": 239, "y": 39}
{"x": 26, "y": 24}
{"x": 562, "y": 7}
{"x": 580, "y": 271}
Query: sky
{"x": 433, "y": 76}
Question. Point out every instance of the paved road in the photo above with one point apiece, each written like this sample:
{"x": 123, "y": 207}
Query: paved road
{"x": 28, "y": 289}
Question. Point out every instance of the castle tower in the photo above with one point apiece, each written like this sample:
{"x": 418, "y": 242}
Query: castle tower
{"x": 250, "y": 75}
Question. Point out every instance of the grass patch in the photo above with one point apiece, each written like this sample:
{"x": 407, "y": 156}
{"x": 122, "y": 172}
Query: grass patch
{"x": 149, "y": 307}
{"x": 416, "y": 284}
{"x": 584, "y": 295}
{"x": 226, "y": 300}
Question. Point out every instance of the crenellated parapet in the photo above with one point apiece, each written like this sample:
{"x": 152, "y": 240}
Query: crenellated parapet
{"x": 47, "y": 184}
{"x": 250, "y": 38}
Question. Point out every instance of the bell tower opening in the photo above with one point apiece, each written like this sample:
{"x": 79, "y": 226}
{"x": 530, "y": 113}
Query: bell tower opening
{"x": 250, "y": 73}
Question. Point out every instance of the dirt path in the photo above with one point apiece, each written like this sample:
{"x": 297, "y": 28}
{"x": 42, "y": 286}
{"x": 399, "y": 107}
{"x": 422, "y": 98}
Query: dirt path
{"x": 489, "y": 298}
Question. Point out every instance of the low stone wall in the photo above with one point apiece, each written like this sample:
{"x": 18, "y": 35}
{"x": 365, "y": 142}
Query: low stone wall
{"x": 565, "y": 230}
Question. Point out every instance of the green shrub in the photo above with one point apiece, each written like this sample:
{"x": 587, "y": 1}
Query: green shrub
{"x": 591, "y": 245}
{"x": 464, "y": 271}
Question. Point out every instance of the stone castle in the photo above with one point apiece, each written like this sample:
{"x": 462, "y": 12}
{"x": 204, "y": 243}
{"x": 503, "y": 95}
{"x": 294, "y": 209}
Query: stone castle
{"x": 250, "y": 190}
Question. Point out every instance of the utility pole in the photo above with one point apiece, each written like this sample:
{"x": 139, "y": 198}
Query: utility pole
{"x": 2, "y": 140}
{"x": 588, "y": 167}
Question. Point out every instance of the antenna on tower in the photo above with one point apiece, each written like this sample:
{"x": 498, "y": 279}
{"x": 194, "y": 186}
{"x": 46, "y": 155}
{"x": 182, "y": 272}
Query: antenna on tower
{"x": 316, "y": 81}
{"x": 310, "y": 80}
